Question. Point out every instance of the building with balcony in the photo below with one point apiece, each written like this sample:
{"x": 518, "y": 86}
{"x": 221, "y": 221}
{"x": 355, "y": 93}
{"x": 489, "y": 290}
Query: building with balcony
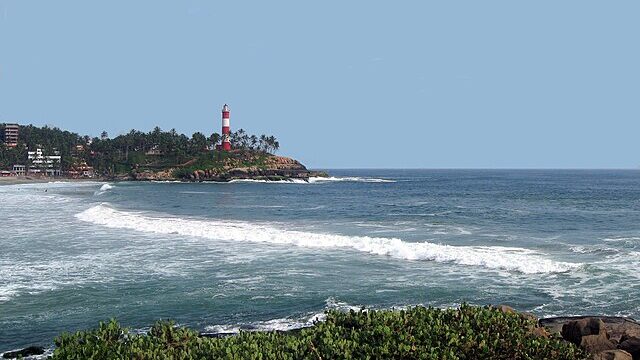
{"x": 39, "y": 163}
{"x": 81, "y": 170}
{"x": 11, "y": 132}
{"x": 19, "y": 170}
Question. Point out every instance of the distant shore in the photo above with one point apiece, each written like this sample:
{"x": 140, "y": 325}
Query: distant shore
{"x": 13, "y": 180}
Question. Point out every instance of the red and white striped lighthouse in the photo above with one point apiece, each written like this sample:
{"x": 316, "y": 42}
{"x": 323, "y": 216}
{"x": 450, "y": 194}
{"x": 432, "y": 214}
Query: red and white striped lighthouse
{"x": 226, "y": 132}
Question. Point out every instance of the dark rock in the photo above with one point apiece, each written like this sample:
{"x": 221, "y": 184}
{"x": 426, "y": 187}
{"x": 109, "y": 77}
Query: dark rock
{"x": 616, "y": 326}
{"x": 631, "y": 345}
{"x": 29, "y": 351}
{"x": 612, "y": 355}
{"x": 574, "y": 330}
{"x": 596, "y": 343}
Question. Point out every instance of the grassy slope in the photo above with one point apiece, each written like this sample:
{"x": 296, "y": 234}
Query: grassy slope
{"x": 185, "y": 166}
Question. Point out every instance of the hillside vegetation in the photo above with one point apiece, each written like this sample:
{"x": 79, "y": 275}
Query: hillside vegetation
{"x": 417, "y": 333}
{"x": 136, "y": 151}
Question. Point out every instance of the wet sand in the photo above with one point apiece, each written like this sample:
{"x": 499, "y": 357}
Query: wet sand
{"x": 12, "y": 180}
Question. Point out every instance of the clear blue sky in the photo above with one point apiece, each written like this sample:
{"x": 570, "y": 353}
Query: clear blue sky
{"x": 427, "y": 84}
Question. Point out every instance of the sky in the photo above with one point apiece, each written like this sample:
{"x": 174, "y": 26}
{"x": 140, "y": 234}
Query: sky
{"x": 341, "y": 84}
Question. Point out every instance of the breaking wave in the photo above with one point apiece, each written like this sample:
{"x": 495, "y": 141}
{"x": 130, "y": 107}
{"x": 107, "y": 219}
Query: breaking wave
{"x": 104, "y": 188}
{"x": 348, "y": 179}
{"x": 491, "y": 257}
{"x": 315, "y": 180}
{"x": 290, "y": 181}
{"x": 282, "y": 324}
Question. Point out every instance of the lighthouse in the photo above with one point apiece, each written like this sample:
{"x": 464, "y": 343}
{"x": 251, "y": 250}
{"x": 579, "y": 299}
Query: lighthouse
{"x": 226, "y": 132}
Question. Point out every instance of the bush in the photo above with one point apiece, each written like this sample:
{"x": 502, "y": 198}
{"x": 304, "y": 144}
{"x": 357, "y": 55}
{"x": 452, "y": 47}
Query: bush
{"x": 417, "y": 333}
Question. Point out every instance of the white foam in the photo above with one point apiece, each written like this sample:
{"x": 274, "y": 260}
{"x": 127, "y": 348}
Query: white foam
{"x": 103, "y": 189}
{"x": 106, "y": 187}
{"x": 349, "y": 179}
{"x": 310, "y": 180}
{"x": 46, "y": 355}
{"x": 8, "y": 291}
{"x": 315, "y": 180}
{"x": 288, "y": 181}
{"x": 628, "y": 239}
{"x": 591, "y": 249}
{"x": 491, "y": 257}
{"x": 282, "y": 324}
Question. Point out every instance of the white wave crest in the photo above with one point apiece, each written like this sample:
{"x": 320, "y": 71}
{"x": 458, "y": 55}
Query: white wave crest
{"x": 593, "y": 249}
{"x": 282, "y": 324}
{"x": 627, "y": 239}
{"x": 48, "y": 352}
{"x": 348, "y": 179}
{"x": 288, "y": 181}
{"x": 103, "y": 189}
{"x": 315, "y": 180}
{"x": 491, "y": 257}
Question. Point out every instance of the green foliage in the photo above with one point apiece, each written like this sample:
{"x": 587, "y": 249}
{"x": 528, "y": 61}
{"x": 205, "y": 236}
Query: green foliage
{"x": 242, "y": 140}
{"x": 217, "y": 160}
{"x": 123, "y": 153}
{"x": 416, "y": 333}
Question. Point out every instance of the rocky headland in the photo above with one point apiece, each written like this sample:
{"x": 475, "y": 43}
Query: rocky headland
{"x": 235, "y": 166}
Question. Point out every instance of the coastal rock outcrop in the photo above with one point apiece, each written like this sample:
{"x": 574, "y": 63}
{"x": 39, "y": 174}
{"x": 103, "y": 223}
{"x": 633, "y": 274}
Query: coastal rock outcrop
{"x": 597, "y": 343}
{"x": 607, "y": 337}
{"x": 28, "y": 351}
{"x": 616, "y": 327}
{"x": 238, "y": 166}
{"x": 576, "y": 330}
{"x": 630, "y": 345}
{"x": 612, "y": 355}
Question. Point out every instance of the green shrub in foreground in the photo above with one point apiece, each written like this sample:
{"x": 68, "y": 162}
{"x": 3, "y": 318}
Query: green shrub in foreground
{"x": 416, "y": 333}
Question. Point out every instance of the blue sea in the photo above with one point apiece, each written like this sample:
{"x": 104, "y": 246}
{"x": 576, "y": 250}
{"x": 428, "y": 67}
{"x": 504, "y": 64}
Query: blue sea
{"x": 222, "y": 257}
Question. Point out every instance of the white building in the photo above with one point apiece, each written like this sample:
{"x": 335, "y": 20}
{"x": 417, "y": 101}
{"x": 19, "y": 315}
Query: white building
{"x": 11, "y": 134}
{"x": 46, "y": 164}
{"x": 19, "y": 170}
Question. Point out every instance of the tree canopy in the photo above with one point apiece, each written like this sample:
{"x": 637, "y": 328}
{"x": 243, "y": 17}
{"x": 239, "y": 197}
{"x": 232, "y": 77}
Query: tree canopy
{"x": 121, "y": 153}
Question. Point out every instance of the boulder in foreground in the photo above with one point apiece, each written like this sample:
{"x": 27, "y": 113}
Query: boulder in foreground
{"x": 612, "y": 355}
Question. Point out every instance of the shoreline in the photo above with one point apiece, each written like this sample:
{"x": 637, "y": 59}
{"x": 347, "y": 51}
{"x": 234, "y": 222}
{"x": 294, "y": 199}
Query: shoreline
{"x": 273, "y": 179}
{"x": 597, "y": 336}
{"x": 29, "y": 180}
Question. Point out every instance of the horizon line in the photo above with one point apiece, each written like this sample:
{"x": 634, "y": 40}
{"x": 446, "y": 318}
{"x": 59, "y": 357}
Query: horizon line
{"x": 466, "y": 168}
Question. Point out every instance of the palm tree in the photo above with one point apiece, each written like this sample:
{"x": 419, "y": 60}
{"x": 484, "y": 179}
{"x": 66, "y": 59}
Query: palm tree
{"x": 263, "y": 143}
{"x": 214, "y": 139}
{"x": 198, "y": 142}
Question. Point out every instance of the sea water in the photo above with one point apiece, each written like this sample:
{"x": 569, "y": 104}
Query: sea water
{"x": 221, "y": 257}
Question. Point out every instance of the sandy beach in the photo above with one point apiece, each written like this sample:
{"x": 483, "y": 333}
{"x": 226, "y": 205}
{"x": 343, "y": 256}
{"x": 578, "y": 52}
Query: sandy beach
{"x": 12, "y": 180}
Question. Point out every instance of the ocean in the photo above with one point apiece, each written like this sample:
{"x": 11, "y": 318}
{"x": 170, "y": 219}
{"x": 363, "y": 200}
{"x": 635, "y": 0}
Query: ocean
{"x": 221, "y": 257}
